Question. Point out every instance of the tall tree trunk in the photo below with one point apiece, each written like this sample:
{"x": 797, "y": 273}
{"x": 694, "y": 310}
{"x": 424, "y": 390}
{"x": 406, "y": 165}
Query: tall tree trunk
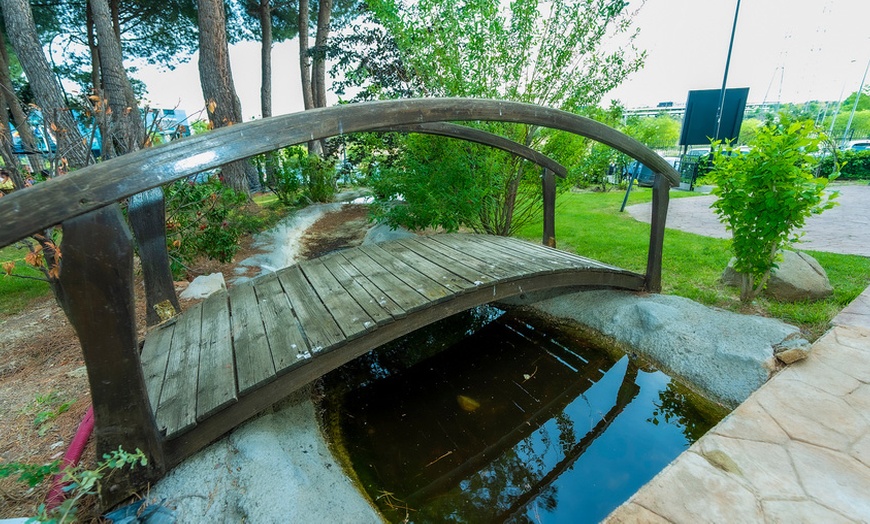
{"x": 98, "y": 100}
{"x": 266, "y": 58}
{"x": 318, "y": 66}
{"x": 127, "y": 134}
{"x": 126, "y": 129}
{"x": 304, "y": 59}
{"x": 19, "y": 118}
{"x": 218, "y": 90}
{"x": 6, "y": 145}
{"x": 265, "y": 12}
{"x": 21, "y": 30}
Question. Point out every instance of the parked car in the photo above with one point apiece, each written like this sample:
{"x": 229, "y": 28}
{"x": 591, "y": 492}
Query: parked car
{"x": 858, "y": 145}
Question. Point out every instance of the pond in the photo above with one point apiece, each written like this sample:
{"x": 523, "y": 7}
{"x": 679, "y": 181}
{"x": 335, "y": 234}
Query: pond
{"x": 494, "y": 416}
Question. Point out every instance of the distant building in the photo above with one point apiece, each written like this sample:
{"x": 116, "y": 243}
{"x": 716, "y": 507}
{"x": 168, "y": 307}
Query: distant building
{"x": 169, "y": 124}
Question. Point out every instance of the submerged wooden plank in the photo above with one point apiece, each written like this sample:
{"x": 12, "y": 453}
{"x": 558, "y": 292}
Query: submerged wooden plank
{"x": 155, "y": 355}
{"x": 176, "y": 411}
{"x": 320, "y": 328}
{"x": 285, "y": 337}
{"x": 217, "y": 375}
{"x": 421, "y": 283}
{"x": 254, "y": 364}
{"x": 441, "y": 274}
{"x": 348, "y": 314}
{"x": 378, "y": 305}
{"x": 397, "y": 291}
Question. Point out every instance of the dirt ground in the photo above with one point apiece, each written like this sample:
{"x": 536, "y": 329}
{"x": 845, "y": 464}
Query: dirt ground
{"x": 42, "y": 374}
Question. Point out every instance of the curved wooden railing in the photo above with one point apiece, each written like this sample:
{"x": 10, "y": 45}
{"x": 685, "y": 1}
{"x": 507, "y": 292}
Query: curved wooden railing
{"x": 96, "y": 277}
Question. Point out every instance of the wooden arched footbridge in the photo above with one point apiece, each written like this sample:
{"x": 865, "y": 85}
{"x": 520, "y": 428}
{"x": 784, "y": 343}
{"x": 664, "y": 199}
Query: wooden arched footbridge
{"x": 202, "y": 373}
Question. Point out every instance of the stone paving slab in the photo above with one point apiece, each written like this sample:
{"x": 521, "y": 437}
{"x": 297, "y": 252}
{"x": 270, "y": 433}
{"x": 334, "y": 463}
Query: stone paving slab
{"x": 798, "y": 450}
{"x": 845, "y": 229}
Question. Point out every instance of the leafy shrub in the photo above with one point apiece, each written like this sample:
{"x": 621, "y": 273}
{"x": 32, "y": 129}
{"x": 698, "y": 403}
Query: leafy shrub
{"x": 854, "y": 165}
{"x": 766, "y": 194}
{"x": 202, "y": 219}
{"x": 292, "y": 169}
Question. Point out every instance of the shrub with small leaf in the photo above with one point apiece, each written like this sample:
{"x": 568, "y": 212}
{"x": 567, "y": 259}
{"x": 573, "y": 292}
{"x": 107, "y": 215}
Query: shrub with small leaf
{"x": 767, "y": 194}
{"x": 79, "y": 481}
{"x": 202, "y": 219}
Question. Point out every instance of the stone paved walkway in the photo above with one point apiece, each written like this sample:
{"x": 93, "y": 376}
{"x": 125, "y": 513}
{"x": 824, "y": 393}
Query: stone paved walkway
{"x": 798, "y": 450}
{"x": 844, "y": 229}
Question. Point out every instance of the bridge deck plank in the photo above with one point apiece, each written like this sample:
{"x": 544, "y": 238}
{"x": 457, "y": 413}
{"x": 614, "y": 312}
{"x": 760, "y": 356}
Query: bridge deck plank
{"x": 216, "y": 386}
{"x": 254, "y": 364}
{"x": 289, "y": 326}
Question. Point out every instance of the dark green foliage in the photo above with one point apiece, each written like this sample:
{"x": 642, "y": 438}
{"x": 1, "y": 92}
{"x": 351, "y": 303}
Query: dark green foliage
{"x": 854, "y": 165}
{"x": 319, "y": 176}
{"x": 202, "y": 219}
{"x": 30, "y": 474}
{"x": 451, "y": 183}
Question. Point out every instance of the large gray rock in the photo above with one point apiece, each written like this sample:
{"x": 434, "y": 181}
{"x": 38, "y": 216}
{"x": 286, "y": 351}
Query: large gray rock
{"x": 798, "y": 277}
{"x": 725, "y": 355}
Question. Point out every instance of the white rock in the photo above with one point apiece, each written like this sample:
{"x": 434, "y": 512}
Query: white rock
{"x": 203, "y": 286}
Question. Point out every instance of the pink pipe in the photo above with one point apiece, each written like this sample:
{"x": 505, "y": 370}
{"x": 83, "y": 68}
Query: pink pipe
{"x": 72, "y": 456}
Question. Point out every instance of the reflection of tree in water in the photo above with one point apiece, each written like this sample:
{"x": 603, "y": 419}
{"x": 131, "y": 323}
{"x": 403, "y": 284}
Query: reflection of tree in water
{"x": 693, "y": 414}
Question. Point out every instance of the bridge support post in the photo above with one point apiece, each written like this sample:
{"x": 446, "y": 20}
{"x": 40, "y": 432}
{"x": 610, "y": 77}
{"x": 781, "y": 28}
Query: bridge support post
{"x": 97, "y": 278}
{"x": 548, "y": 180}
{"x": 148, "y": 219}
{"x": 661, "y": 195}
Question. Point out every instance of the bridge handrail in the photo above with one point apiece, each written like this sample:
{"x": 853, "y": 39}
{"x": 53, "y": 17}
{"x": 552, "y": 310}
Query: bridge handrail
{"x": 26, "y": 212}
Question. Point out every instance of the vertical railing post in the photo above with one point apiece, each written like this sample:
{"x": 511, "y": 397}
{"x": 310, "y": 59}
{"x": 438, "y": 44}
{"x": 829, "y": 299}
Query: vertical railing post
{"x": 97, "y": 279}
{"x": 548, "y": 179}
{"x": 147, "y": 213}
{"x": 661, "y": 190}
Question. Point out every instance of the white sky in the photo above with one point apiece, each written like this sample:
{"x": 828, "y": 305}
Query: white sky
{"x": 784, "y": 50}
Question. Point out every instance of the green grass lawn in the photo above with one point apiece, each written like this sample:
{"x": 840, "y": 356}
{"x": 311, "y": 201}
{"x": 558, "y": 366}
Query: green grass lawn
{"x": 590, "y": 224}
{"x": 17, "y": 293}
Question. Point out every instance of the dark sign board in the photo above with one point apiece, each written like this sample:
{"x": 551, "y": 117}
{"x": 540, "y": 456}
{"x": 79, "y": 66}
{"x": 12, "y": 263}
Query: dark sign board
{"x": 699, "y": 122}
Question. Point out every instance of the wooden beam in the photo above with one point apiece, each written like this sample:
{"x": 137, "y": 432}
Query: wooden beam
{"x": 549, "y": 190}
{"x": 486, "y": 138}
{"x": 97, "y": 278}
{"x": 27, "y": 211}
{"x": 661, "y": 190}
{"x": 148, "y": 219}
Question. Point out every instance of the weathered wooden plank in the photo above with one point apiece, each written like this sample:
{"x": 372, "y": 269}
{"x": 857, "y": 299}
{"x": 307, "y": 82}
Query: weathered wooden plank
{"x": 513, "y": 266}
{"x": 424, "y": 285}
{"x": 454, "y": 249}
{"x": 376, "y": 304}
{"x": 177, "y": 409}
{"x": 542, "y": 257}
{"x": 348, "y": 314}
{"x": 465, "y": 267}
{"x": 571, "y": 258}
{"x": 320, "y": 328}
{"x": 147, "y": 215}
{"x": 27, "y": 211}
{"x": 518, "y": 253}
{"x": 395, "y": 289}
{"x": 254, "y": 363}
{"x": 661, "y": 196}
{"x": 216, "y": 387}
{"x": 96, "y": 284}
{"x": 548, "y": 183}
{"x": 285, "y": 336}
{"x": 444, "y": 276}
{"x": 155, "y": 355}
{"x": 471, "y": 134}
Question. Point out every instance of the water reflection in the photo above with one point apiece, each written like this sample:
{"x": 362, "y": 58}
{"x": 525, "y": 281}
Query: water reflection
{"x": 510, "y": 423}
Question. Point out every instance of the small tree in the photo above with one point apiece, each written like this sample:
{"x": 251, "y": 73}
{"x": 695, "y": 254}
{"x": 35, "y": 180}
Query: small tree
{"x": 767, "y": 194}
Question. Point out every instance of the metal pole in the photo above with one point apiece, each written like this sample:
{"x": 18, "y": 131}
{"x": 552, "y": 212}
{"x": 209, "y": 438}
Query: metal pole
{"x": 854, "y": 107}
{"x": 725, "y": 77}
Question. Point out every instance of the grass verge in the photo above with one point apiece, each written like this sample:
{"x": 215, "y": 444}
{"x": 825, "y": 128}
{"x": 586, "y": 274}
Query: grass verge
{"x": 591, "y": 224}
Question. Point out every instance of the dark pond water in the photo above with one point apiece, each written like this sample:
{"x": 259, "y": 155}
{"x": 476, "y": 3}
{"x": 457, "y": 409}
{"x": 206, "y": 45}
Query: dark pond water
{"x": 493, "y": 417}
